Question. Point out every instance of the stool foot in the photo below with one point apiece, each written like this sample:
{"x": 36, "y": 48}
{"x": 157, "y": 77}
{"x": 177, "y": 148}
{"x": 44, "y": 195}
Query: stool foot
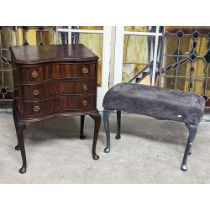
{"x": 107, "y": 150}
{"x": 184, "y": 167}
{"x": 117, "y": 137}
{"x": 82, "y": 137}
{"x": 22, "y": 170}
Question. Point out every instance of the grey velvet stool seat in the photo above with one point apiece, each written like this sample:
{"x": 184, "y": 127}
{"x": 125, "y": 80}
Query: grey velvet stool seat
{"x": 156, "y": 102}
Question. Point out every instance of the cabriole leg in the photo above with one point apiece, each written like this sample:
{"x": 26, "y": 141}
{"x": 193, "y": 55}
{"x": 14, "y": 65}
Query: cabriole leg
{"x": 106, "y": 114}
{"x": 192, "y": 133}
{"x": 118, "y": 125}
{"x": 20, "y": 128}
{"x": 17, "y": 147}
{"x": 97, "y": 119}
{"x": 82, "y": 121}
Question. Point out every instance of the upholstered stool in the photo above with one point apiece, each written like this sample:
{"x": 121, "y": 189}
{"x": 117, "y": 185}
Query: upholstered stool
{"x": 155, "y": 102}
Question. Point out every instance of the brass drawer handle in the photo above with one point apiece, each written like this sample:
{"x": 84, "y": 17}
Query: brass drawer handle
{"x": 84, "y": 87}
{"x": 34, "y": 74}
{"x": 84, "y": 103}
{"x": 85, "y": 70}
{"x": 36, "y": 108}
{"x": 35, "y": 92}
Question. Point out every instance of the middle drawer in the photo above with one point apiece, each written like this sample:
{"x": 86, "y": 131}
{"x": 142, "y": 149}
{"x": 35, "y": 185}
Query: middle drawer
{"x": 57, "y": 87}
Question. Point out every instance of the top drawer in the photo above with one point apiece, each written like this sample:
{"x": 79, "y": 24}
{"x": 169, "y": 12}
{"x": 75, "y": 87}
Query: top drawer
{"x": 54, "y": 71}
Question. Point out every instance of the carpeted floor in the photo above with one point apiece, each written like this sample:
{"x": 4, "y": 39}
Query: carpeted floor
{"x": 150, "y": 151}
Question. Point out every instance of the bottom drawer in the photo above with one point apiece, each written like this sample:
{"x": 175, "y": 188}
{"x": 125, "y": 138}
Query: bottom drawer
{"x": 41, "y": 108}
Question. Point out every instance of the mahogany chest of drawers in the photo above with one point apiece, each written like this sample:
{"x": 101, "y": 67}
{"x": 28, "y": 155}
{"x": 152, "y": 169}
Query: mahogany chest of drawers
{"x": 50, "y": 81}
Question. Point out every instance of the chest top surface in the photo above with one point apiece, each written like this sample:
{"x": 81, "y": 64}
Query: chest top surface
{"x": 52, "y": 53}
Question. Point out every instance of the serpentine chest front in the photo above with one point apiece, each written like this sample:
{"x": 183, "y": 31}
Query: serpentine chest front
{"x": 56, "y": 80}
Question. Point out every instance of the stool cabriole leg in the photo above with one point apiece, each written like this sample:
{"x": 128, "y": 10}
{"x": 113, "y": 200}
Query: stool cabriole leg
{"x": 106, "y": 114}
{"x": 82, "y": 121}
{"x": 192, "y": 133}
{"x": 118, "y": 125}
